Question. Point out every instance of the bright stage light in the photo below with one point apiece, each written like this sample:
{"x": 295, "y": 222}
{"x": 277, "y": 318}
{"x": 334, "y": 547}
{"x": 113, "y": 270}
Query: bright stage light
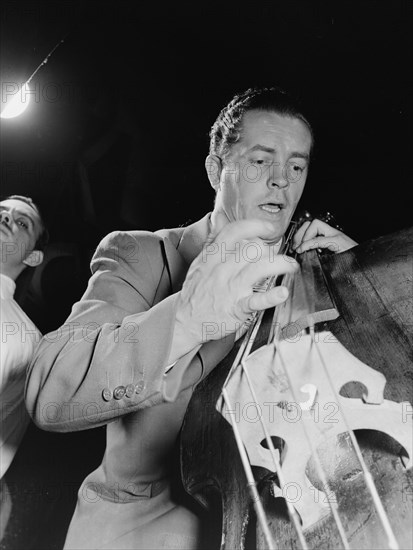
{"x": 17, "y": 104}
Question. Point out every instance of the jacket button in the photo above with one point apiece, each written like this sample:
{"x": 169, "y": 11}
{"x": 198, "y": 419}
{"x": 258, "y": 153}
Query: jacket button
{"x": 140, "y": 386}
{"x": 107, "y": 394}
{"x": 119, "y": 392}
{"x": 129, "y": 390}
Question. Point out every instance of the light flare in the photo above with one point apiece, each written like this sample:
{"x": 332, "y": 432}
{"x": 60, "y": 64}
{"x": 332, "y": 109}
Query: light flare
{"x": 18, "y": 103}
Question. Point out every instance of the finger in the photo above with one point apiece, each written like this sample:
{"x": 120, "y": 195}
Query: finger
{"x": 238, "y": 253}
{"x": 254, "y": 250}
{"x": 332, "y": 243}
{"x": 315, "y": 229}
{"x": 244, "y": 230}
{"x": 271, "y": 298}
{"x": 298, "y": 237}
{"x": 269, "y": 266}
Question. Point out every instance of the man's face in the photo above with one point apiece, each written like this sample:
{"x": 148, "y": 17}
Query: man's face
{"x": 20, "y": 227}
{"x": 264, "y": 173}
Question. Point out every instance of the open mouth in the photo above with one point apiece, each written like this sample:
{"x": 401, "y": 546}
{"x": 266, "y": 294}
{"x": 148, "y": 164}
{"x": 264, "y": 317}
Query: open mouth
{"x": 272, "y": 207}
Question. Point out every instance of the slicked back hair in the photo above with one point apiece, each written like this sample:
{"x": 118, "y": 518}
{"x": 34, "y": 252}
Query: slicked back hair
{"x": 227, "y": 128}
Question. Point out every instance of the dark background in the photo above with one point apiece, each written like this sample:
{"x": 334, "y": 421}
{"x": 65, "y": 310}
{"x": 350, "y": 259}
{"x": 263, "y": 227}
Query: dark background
{"x": 118, "y": 131}
{"x": 135, "y": 88}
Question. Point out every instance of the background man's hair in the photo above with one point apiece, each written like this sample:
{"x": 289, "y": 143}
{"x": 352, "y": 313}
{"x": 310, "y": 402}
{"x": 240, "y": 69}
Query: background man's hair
{"x": 43, "y": 237}
{"x": 228, "y": 126}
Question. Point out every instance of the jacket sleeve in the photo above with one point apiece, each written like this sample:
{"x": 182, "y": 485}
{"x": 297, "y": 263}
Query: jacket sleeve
{"x": 110, "y": 356}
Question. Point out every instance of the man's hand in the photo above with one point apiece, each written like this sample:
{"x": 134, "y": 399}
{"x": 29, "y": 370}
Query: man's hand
{"x": 217, "y": 295}
{"x": 317, "y": 234}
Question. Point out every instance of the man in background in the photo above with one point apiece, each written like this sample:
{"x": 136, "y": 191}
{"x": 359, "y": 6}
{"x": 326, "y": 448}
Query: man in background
{"x": 22, "y": 239}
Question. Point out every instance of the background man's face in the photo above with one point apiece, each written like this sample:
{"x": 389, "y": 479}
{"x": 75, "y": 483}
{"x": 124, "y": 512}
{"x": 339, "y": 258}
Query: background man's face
{"x": 20, "y": 227}
{"x": 264, "y": 173}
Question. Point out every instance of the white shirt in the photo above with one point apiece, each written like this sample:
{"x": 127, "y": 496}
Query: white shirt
{"x": 19, "y": 337}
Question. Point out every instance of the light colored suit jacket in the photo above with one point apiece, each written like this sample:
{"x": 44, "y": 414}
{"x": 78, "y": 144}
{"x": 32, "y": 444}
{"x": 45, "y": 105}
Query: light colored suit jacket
{"x": 107, "y": 364}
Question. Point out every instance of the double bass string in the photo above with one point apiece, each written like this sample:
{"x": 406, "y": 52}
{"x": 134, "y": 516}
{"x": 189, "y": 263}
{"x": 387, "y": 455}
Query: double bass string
{"x": 289, "y": 281}
{"x": 252, "y": 331}
{"x": 243, "y": 352}
{"x": 392, "y": 541}
{"x": 259, "y": 508}
{"x": 276, "y": 336}
{"x": 319, "y": 466}
{"x": 277, "y": 465}
{"x": 249, "y": 339}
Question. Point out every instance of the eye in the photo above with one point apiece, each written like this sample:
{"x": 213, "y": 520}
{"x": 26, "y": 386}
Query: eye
{"x": 262, "y": 162}
{"x": 295, "y": 171}
{"x": 22, "y": 223}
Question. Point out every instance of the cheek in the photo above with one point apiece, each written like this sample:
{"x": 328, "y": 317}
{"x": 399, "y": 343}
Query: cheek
{"x": 228, "y": 192}
{"x": 296, "y": 189}
{"x": 228, "y": 198}
{"x": 231, "y": 187}
{"x": 25, "y": 240}
{"x": 247, "y": 196}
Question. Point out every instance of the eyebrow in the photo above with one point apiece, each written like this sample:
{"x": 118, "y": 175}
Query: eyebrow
{"x": 265, "y": 149}
{"x": 20, "y": 213}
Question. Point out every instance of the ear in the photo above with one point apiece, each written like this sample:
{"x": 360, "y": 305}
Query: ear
{"x": 34, "y": 258}
{"x": 213, "y": 166}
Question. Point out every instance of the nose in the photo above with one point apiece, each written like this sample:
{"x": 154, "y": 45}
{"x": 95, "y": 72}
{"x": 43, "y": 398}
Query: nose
{"x": 277, "y": 177}
{"x": 5, "y": 217}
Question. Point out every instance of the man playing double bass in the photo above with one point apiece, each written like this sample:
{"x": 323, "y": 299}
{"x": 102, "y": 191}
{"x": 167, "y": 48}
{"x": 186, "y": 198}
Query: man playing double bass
{"x": 135, "y": 346}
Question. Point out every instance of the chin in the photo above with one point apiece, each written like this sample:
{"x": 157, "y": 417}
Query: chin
{"x": 279, "y": 232}
{"x": 275, "y": 240}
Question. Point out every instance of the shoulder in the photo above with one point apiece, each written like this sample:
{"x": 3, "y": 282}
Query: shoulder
{"x": 131, "y": 250}
{"x": 126, "y": 247}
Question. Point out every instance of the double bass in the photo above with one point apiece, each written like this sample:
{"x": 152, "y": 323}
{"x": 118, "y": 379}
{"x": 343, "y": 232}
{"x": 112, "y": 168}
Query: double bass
{"x": 302, "y": 436}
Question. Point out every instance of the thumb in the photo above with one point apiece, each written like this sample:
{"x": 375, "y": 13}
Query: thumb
{"x": 263, "y": 300}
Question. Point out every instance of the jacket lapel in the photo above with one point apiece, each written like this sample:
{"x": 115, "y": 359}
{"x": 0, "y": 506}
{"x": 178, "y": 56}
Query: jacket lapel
{"x": 176, "y": 266}
{"x": 179, "y": 245}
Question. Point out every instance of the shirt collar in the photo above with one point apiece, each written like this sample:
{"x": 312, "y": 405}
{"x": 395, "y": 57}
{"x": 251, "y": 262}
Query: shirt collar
{"x": 7, "y": 287}
{"x": 193, "y": 238}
